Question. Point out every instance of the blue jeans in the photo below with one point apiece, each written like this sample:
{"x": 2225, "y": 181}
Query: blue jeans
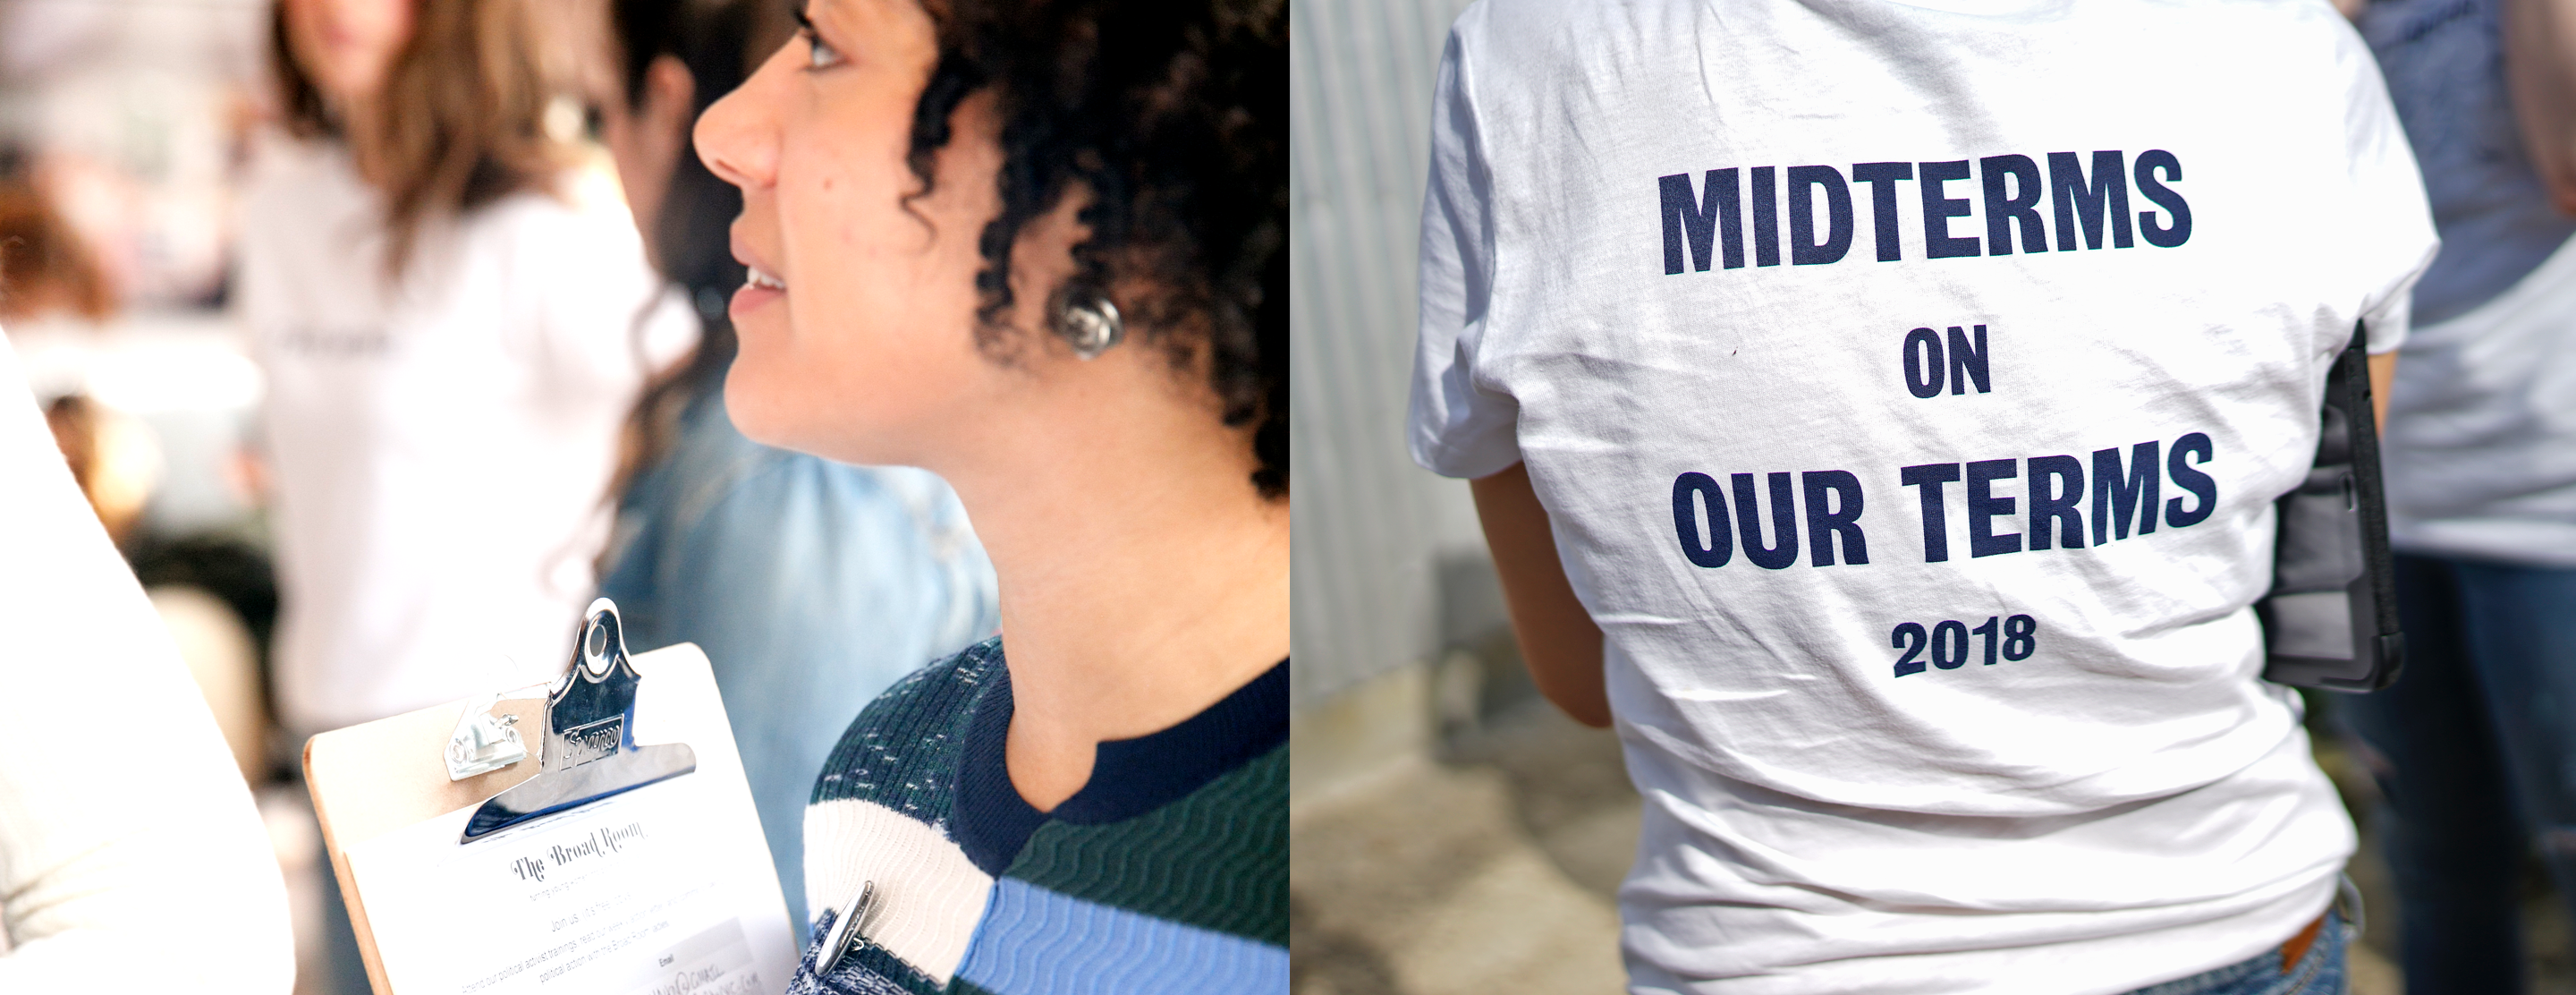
{"x": 2474, "y": 748}
{"x": 2318, "y": 971}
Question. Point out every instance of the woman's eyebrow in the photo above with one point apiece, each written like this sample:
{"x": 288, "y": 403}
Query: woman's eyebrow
{"x": 796, "y": 9}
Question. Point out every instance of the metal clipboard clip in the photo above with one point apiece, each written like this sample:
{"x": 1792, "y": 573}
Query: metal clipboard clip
{"x": 588, "y": 751}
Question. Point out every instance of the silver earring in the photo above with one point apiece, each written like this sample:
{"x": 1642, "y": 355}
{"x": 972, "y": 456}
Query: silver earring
{"x": 1092, "y": 326}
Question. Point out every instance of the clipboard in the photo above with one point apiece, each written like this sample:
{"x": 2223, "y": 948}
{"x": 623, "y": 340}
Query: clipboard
{"x": 567, "y": 838}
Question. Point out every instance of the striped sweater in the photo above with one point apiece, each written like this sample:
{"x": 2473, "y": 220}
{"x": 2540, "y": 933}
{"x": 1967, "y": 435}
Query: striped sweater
{"x": 1167, "y": 872}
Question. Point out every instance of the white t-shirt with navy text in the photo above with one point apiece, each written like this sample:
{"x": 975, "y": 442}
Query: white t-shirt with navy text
{"x": 1909, "y": 387}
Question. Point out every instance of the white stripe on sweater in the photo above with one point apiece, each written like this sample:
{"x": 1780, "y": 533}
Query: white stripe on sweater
{"x": 929, "y": 896}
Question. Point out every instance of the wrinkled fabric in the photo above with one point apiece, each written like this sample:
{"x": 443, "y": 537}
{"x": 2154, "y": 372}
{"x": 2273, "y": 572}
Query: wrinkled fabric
{"x": 1925, "y": 692}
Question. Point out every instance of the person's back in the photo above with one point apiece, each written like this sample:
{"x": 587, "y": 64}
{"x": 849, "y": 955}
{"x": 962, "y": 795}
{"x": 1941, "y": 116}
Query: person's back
{"x": 1907, "y": 389}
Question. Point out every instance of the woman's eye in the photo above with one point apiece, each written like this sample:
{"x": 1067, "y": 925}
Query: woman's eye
{"x": 819, "y": 53}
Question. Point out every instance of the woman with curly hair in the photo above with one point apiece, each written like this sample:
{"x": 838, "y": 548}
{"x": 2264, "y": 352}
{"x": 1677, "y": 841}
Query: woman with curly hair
{"x": 811, "y": 584}
{"x": 1040, "y": 249}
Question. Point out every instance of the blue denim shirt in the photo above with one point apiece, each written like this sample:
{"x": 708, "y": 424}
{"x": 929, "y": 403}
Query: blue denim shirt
{"x": 812, "y": 585}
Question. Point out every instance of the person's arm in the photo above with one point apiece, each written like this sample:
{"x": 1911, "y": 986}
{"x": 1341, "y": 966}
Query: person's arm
{"x": 1461, "y": 429}
{"x": 2383, "y": 372}
{"x": 2540, "y": 74}
{"x": 1558, "y": 638}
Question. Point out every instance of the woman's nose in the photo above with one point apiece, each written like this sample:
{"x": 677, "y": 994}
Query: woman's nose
{"x": 737, "y": 137}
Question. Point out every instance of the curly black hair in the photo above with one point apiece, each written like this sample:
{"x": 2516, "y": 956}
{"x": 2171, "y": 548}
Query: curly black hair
{"x": 1174, "y": 117}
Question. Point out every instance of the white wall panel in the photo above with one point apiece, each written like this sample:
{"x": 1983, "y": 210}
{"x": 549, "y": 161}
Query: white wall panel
{"x": 1369, "y": 525}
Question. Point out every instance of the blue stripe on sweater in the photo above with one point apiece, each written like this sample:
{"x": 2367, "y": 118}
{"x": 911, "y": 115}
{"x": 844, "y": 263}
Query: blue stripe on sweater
{"x": 1039, "y": 942}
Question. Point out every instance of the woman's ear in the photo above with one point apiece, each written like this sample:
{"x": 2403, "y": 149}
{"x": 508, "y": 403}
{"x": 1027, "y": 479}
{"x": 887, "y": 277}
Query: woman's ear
{"x": 1042, "y": 260}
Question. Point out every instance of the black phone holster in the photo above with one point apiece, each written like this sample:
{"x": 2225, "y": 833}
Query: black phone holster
{"x": 2330, "y": 620}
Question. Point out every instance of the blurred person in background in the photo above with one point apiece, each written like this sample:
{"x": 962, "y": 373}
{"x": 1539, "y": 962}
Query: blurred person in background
{"x": 452, "y": 336}
{"x": 118, "y": 464}
{"x": 811, "y": 584}
{"x": 453, "y": 327}
{"x": 1042, "y": 250}
{"x": 119, "y": 803}
{"x": 2475, "y": 745}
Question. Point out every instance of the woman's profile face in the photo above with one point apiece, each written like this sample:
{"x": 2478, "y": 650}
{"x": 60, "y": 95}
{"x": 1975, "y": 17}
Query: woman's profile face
{"x": 858, "y": 325}
{"x": 347, "y": 46}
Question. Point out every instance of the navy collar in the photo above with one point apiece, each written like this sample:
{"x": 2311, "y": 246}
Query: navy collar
{"x": 1129, "y": 777}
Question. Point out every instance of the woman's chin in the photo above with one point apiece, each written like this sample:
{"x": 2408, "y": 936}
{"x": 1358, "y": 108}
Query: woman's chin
{"x": 758, "y": 410}
{"x": 775, "y": 414}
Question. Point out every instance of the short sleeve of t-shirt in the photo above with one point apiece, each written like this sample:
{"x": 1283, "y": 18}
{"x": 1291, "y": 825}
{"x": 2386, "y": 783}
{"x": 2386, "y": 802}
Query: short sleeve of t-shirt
{"x": 1459, "y": 428}
{"x": 599, "y": 270}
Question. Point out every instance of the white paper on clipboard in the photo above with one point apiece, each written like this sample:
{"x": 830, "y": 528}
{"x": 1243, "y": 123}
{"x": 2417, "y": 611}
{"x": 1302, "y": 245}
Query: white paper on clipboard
{"x": 667, "y": 889}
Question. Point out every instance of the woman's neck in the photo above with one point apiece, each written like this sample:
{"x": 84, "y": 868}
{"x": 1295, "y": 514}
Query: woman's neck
{"x": 1142, "y": 577}
{"x": 358, "y": 133}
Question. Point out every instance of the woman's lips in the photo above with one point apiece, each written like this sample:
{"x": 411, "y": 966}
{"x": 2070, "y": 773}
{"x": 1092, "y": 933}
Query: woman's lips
{"x": 758, "y": 288}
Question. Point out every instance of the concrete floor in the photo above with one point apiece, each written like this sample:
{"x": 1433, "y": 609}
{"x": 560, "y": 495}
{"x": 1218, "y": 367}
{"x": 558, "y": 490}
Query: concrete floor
{"x": 1491, "y": 872}
{"x": 1492, "y": 866}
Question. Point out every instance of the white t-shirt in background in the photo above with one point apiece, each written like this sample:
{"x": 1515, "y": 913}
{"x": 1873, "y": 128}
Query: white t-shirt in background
{"x": 2481, "y": 443}
{"x": 442, "y": 447}
{"x": 1909, "y": 389}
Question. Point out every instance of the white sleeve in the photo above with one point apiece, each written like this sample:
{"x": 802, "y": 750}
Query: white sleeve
{"x": 605, "y": 320}
{"x": 1459, "y": 427}
{"x": 2394, "y": 239}
{"x": 131, "y": 855}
